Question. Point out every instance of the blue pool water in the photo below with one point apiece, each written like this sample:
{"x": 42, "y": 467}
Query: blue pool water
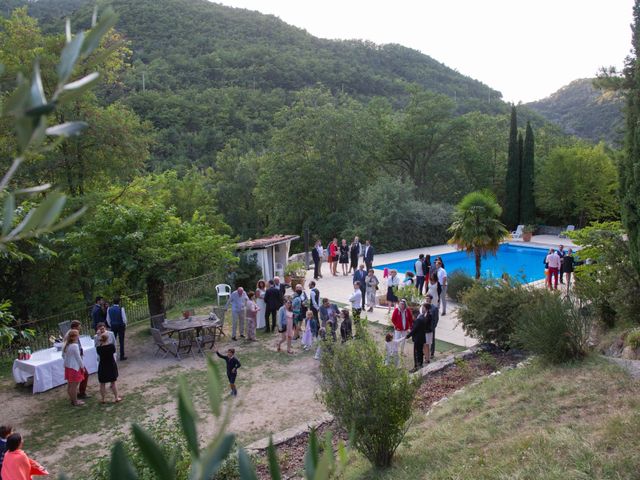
{"x": 520, "y": 262}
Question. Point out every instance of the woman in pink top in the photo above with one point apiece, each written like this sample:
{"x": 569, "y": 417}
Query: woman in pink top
{"x": 17, "y": 465}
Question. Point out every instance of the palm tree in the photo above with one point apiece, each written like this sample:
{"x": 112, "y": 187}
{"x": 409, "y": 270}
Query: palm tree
{"x": 476, "y": 227}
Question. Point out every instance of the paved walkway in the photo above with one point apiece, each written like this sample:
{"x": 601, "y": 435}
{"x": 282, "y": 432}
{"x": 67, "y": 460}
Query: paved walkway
{"x": 339, "y": 288}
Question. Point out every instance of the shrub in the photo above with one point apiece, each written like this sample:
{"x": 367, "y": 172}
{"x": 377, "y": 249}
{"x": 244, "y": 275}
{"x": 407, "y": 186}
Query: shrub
{"x": 554, "y": 328}
{"x": 458, "y": 282}
{"x": 633, "y": 338}
{"x": 367, "y": 397}
{"x": 489, "y": 309}
{"x": 246, "y": 274}
{"x": 609, "y": 281}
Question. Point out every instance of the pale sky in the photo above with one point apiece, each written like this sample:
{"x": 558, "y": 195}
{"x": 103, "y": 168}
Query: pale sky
{"x": 525, "y": 49}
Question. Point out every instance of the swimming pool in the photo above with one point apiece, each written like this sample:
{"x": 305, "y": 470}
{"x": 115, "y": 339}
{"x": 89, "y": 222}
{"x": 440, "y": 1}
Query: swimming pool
{"x": 523, "y": 263}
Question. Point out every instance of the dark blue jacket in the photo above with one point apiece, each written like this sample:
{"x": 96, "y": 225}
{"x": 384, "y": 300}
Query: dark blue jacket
{"x": 97, "y": 315}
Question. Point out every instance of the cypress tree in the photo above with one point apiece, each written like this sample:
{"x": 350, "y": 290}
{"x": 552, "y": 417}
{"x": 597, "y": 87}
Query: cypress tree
{"x": 527, "y": 199}
{"x": 629, "y": 166}
{"x": 512, "y": 183}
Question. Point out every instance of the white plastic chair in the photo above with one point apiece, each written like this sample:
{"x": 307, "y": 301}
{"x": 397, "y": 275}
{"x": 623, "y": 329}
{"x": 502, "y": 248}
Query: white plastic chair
{"x": 222, "y": 290}
{"x": 279, "y": 270}
{"x": 517, "y": 233}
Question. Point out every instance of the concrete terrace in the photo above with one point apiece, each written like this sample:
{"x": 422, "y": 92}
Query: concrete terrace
{"x": 339, "y": 288}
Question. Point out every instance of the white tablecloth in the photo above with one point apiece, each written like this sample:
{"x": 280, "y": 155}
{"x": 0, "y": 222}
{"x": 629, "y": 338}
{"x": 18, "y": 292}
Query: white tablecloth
{"x": 47, "y": 367}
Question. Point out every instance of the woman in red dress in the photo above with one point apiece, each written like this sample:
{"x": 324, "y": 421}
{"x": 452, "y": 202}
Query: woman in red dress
{"x": 333, "y": 256}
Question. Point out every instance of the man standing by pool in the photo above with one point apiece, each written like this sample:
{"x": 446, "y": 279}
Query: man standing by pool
{"x": 553, "y": 261}
{"x": 368, "y": 253}
{"x": 418, "y": 267}
{"x": 442, "y": 283}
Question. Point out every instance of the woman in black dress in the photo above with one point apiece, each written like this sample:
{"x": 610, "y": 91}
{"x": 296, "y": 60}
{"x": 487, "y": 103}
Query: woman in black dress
{"x": 107, "y": 367}
{"x": 354, "y": 254}
{"x": 344, "y": 256}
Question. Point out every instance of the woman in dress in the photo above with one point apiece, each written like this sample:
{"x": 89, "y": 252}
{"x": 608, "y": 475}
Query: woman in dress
{"x": 333, "y": 256}
{"x": 393, "y": 282}
{"x": 344, "y": 256}
{"x": 371, "y": 282}
{"x": 73, "y": 366}
{"x": 261, "y": 289}
{"x": 252, "y": 313}
{"x": 107, "y": 368}
{"x": 433, "y": 288}
{"x": 285, "y": 325}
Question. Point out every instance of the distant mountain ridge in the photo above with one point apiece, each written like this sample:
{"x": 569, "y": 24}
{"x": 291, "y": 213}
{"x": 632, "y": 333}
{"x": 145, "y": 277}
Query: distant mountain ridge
{"x": 582, "y": 110}
{"x": 236, "y": 47}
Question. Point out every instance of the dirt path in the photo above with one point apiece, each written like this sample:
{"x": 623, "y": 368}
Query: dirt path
{"x": 276, "y": 391}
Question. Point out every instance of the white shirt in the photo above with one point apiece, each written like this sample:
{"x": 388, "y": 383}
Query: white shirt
{"x": 356, "y": 299}
{"x": 442, "y": 276}
{"x": 392, "y": 347}
{"x": 419, "y": 269}
{"x": 393, "y": 281}
{"x": 553, "y": 259}
{"x": 320, "y": 250}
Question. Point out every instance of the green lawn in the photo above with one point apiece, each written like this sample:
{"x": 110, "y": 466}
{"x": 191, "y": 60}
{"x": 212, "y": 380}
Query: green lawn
{"x": 569, "y": 422}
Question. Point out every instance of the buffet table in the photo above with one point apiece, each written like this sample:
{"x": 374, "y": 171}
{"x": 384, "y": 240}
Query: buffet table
{"x": 47, "y": 367}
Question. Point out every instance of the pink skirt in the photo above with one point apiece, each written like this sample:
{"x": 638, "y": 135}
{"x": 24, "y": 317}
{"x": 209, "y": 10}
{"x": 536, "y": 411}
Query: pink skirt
{"x": 73, "y": 376}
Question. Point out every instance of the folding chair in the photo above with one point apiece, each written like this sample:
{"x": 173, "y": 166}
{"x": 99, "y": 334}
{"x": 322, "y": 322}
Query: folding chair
{"x": 166, "y": 345}
{"x": 186, "y": 341}
{"x": 207, "y": 337}
{"x": 64, "y": 327}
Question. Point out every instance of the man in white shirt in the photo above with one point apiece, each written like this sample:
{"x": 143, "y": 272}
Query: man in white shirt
{"x": 356, "y": 302}
{"x": 418, "y": 267}
{"x": 442, "y": 281}
{"x": 553, "y": 261}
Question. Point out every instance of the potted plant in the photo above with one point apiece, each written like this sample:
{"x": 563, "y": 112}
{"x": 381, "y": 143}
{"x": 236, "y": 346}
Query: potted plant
{"x": 527, "y": 232}
{"x": 294, "y": 273}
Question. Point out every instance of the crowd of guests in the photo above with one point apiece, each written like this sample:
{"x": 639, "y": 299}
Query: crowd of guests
{"x": 559, "y": 265}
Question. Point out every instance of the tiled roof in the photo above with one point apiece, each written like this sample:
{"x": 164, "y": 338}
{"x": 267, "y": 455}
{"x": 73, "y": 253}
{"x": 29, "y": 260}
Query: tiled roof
{"x": 265, "y": 242}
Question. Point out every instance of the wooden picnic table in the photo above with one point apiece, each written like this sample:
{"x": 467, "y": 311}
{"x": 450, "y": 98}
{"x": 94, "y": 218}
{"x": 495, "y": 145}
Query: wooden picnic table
{"x": 197, "y": 322}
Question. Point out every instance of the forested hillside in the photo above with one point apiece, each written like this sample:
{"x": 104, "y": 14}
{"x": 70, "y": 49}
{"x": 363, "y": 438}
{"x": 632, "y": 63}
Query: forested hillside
{"x": 582, "y": 110}
{"x": 210, "y": 124}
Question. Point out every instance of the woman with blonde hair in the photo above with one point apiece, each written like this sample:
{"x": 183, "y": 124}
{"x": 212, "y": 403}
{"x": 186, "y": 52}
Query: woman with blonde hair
{"x": 73, "y": 366}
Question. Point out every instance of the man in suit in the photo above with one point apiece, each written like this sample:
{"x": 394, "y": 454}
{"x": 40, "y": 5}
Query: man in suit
{"x": 273, "y": 303}
{"x": 359, "y": 277}
{"x": 98, "y": 315}
{"x": 418, "y": 333}
{"x": 282, "y": 288}
{"x": 316, "y": 254}
{"x": 368, "y": 253}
